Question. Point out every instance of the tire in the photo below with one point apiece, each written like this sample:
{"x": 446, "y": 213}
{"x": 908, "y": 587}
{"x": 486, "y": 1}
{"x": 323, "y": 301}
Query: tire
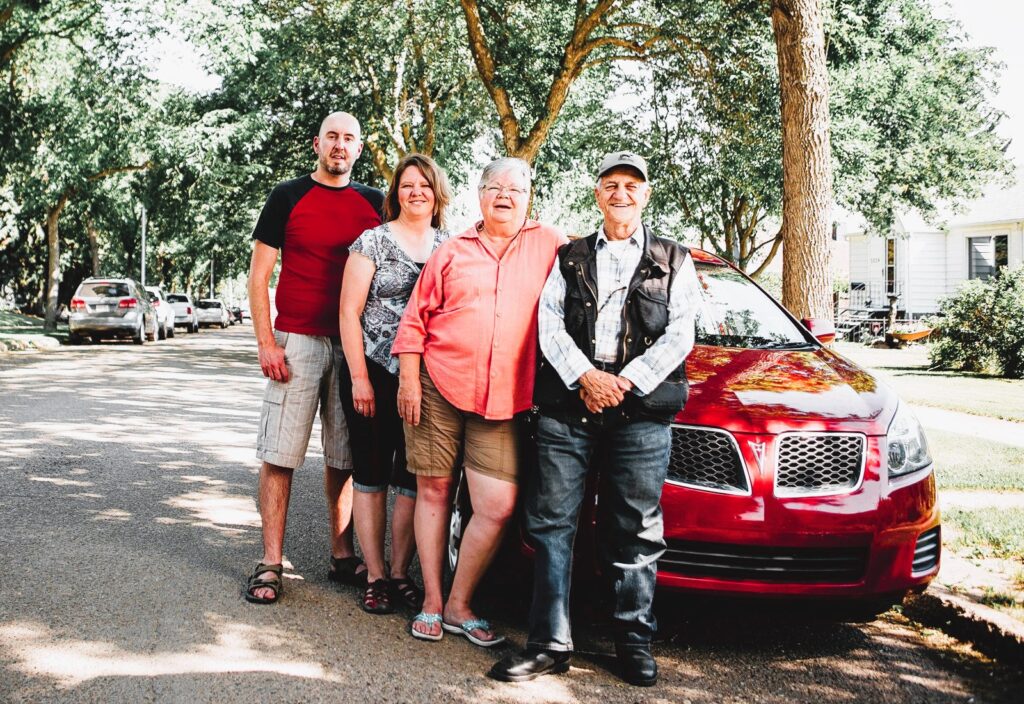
{"x": 195, "y": 327}
{"x": 170, "y": 331}
{"x": 223, "y": 325}
{"x": 75, "y": 339}
{"x": 161, "y": 331}
{"x": 139, "y": 338}
{"x": 96, "y": 339}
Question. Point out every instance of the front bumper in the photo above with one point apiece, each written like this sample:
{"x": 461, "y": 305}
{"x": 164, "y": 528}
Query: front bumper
{"x": 859, "y": 544}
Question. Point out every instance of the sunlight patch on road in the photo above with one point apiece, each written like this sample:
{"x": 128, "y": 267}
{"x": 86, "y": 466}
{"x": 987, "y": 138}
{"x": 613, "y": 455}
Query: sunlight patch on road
{"x": 545, "y": 689}
{"x": 236, "y": 648}
{"x": 214, "y": 508}
{"x": 111, "y": 514}
{"x": 60, "y": 482}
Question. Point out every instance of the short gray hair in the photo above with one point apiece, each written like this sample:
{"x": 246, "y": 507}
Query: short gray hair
{"x": 502, "y": 165}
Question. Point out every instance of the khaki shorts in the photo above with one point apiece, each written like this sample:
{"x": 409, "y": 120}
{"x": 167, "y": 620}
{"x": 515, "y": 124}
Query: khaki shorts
{"x": 432, "y": 447}
{"x": 286, "y": 419}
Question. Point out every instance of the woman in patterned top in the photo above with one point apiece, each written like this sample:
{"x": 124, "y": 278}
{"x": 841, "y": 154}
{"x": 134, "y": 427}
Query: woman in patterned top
{"x": 382, "y": 268}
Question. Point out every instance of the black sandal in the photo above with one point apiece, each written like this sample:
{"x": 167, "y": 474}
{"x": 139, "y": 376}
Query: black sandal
{"x": 255, "y": 582}
{"x": 377, "y": 598}
{"x": 345, "y": 570}
{"x": 407, "y": 593}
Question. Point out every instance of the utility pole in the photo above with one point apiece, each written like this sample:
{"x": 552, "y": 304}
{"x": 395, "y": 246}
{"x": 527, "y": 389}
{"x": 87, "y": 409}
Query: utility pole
{"x": 143, "y": 245}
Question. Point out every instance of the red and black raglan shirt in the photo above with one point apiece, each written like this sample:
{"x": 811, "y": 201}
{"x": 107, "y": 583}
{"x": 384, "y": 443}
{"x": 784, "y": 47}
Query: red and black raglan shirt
{"x": 313, "y": 225}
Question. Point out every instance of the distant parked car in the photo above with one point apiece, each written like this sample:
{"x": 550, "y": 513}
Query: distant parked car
{"x": 164, "y": 312}
{"x": 185, "y": 314}
{"x": 212, "y": 312}
{"x": 103, "y": 308}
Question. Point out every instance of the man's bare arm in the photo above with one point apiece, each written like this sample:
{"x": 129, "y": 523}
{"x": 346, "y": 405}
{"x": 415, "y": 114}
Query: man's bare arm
{"x": 271, "y": 355}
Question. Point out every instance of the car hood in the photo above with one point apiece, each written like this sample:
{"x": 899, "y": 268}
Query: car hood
{"x": 773, "y": 391}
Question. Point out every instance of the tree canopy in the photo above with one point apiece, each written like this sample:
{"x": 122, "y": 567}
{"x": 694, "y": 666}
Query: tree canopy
{"x": 90, "y": 138}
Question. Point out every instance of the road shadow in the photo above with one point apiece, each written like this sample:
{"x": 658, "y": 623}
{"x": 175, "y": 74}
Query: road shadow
{"x": 128, "y": 481}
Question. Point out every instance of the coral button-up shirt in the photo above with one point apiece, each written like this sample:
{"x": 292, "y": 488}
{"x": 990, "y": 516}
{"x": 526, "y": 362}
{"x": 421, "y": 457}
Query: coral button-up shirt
{"x": 473, "y": 317}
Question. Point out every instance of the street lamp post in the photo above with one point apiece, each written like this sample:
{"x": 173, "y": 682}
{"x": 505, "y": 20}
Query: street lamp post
{"x": 143, "y": 245}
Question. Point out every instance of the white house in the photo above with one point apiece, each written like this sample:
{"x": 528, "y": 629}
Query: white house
{"x": 920, "y": 262}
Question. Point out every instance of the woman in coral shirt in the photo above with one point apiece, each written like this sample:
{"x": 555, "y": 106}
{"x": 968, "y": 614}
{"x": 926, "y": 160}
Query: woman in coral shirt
{"x": 467, "y": 346}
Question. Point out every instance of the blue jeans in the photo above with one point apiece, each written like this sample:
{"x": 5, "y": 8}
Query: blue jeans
{"x": 634, "y": 460}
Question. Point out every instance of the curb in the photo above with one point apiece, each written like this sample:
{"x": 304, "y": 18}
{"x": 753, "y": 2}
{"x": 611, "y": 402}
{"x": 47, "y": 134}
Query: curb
{"x": 992, "y": 632}
{"x": 16, "y": 343}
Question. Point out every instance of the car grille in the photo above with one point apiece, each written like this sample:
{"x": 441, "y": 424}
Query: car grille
{"x": 818, "y": 463}
{"x": 838, "y": 565}
{"x": 706, "y": 458}
{"x": 926, "y": 553}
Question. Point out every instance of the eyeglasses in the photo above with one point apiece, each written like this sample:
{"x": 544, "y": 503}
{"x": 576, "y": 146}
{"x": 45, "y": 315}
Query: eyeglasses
{"x": 498, "y": 190}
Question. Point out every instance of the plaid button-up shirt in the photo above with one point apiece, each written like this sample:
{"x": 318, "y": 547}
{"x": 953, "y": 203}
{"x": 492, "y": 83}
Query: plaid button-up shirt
{"x": 616, "y": 262}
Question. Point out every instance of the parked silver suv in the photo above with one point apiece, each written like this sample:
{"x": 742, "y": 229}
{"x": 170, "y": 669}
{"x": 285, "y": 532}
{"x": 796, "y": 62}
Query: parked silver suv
{"x": 104, "y": 308}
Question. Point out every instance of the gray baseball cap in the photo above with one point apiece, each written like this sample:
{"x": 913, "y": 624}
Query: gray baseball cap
{"x": 613, "y": 159}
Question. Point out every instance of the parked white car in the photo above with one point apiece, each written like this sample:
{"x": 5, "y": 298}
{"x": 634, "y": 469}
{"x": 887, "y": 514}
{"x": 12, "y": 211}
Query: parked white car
{"x": 164, "y": 312}
{"x": 185, "y": 314}
{"x": 212, "y": 312}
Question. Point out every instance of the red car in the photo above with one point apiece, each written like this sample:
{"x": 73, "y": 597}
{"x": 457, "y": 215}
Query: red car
{"x": 793, "y": 471}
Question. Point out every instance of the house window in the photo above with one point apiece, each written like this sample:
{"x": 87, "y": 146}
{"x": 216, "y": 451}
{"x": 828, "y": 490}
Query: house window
{"x": 986, "y": 255}
{"x": 890, "y": 266}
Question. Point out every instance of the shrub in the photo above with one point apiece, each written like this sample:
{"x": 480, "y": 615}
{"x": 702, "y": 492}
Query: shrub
{"x": 982, "y": 326}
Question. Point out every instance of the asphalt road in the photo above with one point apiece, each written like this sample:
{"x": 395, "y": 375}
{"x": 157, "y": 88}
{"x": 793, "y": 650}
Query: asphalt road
{"x": 127, "y": 484}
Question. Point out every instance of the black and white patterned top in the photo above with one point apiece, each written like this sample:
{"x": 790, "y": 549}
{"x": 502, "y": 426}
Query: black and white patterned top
{"x": 389, "y": 292}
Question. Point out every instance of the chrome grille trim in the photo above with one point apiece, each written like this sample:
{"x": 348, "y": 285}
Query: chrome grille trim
{"x": 818, "y": 485}
{"x": 740, "y": 481}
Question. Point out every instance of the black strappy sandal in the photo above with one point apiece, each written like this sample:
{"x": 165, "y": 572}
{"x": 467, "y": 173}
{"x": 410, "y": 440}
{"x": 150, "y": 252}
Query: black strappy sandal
{"x": 256, "y": 582}
{"x": 407, "y": 593}
{"x": 377, "y": 598}
{"x": 345, "y": 570}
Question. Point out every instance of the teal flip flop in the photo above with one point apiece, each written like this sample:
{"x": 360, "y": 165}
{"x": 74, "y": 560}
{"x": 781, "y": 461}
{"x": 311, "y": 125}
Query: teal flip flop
{"x": 430, "y": 620}
{"x": 466, "y": 629}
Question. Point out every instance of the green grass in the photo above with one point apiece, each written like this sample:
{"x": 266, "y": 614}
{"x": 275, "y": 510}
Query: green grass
{"x": 12, "y": 323}
{"x": 906, "y": 370}
{"x": 987, "y": 533}
{"x": 965, "y": 462}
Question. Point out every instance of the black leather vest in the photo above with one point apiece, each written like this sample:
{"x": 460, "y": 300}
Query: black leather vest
{"x": 644, "y": 319}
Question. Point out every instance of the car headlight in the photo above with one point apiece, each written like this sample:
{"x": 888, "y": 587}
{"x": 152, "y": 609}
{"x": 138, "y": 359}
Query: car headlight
{"x": 907, "y": 447}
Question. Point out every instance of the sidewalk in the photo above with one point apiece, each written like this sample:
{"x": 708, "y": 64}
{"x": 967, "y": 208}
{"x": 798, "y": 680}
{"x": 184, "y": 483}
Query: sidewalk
{"x": 977, "y": 596}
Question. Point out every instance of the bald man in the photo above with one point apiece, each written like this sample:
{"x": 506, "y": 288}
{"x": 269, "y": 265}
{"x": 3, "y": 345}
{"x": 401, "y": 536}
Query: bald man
{"x": 310, "y": 221}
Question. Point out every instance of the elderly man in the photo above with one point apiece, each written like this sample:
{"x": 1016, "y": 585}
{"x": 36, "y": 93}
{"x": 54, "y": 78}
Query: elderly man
{"x": 311, "y": 221}
{"x": 615, "y": 322}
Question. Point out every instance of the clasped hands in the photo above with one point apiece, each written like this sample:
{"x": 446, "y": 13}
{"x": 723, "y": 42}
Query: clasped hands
{"x": 600, "y": 390}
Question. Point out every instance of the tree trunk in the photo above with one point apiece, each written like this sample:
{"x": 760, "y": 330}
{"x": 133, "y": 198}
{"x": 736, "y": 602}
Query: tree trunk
{"x": 94, "y": 246}
{"x": 53, "y": 265}
{"x": 806, "y": 158}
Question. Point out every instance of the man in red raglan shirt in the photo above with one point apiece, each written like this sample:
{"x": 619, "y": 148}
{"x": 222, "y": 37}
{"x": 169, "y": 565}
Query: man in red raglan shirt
{"x": 311, "y": 221}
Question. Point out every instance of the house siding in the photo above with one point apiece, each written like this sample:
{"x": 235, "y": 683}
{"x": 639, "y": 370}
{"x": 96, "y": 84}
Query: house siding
{"x": 925, "y": 273}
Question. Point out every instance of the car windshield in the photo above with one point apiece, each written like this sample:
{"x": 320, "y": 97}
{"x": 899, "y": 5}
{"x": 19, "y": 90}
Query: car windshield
{"x": 736, "y": 313}
{"x": 103, "y": 289}
{"x": 208, "y": 304}
{"x": 176, "y": 298}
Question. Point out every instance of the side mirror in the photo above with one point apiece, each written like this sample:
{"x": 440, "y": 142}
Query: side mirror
{"x": 823, "y": 330}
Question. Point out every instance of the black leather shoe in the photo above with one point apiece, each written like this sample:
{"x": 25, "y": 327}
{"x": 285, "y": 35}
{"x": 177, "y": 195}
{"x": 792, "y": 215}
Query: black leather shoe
{"x": 637, "y": 665}
{"x": 529, "y": 665}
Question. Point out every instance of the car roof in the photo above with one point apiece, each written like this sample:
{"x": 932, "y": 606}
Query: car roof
{"x": 700, "y": 255}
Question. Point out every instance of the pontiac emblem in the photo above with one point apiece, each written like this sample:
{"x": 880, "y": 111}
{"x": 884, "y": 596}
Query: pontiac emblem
{"x": 758, "y": 449}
